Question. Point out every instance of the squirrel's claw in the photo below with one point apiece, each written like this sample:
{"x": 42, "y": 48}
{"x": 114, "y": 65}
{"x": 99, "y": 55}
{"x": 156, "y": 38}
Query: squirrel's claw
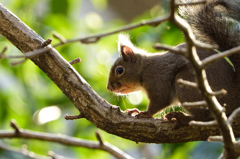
{"x": 181, "y": 118}
{"x": 138, "y": 113}
{"x": 132, "y": 111}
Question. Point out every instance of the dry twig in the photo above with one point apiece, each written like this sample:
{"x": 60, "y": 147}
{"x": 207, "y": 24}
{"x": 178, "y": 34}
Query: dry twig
{"x": 200, "y": 104}
{"x": 63, "y": 139}
{"x": 23, "y": 151}
{"x": 77, "y": 60}
{"x": 207, "y": 124}
{"x": 73, "y": 117}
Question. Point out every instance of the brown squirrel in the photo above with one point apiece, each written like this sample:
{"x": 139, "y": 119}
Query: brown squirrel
{"x": 217, "y": 22}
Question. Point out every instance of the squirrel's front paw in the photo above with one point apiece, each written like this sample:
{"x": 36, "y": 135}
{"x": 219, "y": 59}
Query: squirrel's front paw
{"x": 132, "y": 111}
{"x": 181, "y": 118}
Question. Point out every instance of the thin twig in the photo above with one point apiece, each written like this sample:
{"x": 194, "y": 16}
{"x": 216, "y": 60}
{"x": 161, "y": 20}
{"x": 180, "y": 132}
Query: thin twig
{"x": 215, "y": 138}
{"x": 77, "y": 60}
{"x": 99, "y": 138}
{"x": 176, "y": 50}
{"x": 59, "y": 37}
{"x": 14, "y": 125}
{"x": 187, "y": 83}
{"x": 53, "y": 155}
{"x": 3, "y": 51}
{"x": 237, "y": 146}
{"x": 18, "y": 62}
{"x": 191, "y": 3}
{"x": 233, "y": 116}
{"x": 73, "y": 117}
{"x": 23, "y": 151}
{"x": 204, "y": 46}
{"x": 199, "y": 104}
{"x": 205, "y": 124}
{"x": 215, "y": 57}
{"x": 63, "y": 139}
{"x": 45, "y": 43}
{"x": 218, "y": 93}
{"x": 29, "y": 54}
{"x": 95, "y": 38}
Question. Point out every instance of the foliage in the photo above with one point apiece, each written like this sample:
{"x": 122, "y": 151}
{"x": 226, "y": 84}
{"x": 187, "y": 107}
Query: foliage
{"x": 25, "y": 90}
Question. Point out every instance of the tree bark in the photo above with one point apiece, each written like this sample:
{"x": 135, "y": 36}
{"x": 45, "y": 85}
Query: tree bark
{"x": 95, "y": 109}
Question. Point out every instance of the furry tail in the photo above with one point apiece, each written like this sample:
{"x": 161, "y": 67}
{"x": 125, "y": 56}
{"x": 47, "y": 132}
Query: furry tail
{"x": 217, "y": 22}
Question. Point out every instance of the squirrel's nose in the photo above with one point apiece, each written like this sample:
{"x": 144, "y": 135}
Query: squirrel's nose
{"x": 109, "y": 87}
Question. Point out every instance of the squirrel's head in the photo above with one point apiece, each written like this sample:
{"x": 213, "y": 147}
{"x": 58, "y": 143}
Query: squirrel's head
{"x": 125, "y": 74}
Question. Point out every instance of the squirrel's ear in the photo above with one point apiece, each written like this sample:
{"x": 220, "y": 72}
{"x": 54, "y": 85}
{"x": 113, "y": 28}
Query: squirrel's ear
{"x": 127, "y": 53}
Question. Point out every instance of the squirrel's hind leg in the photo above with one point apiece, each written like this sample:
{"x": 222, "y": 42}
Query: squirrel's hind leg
{"x": 182, "y": 119}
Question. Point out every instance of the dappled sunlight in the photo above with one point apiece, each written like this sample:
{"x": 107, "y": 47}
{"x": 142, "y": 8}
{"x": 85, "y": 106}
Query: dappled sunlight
{"x": 94, "y": 21}
{"x": 47, "y": 114}
{"x": 135, "y": 98}
{"x": 103, "y": 57}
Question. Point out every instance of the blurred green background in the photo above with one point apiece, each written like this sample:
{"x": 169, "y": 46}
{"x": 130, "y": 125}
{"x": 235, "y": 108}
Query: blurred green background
{"x": 36, "y": 103}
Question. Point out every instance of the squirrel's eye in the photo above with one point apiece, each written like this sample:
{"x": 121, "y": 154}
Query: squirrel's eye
{"x": 119, "y": 70}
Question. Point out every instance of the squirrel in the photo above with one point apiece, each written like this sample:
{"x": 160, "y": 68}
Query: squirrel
{"x": 216, "y": 22}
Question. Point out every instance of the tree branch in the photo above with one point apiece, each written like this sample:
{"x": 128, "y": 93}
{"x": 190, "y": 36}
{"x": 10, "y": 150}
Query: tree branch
{"x": 191, "y": 3}
{"x": 207, "y": 124}
{"x": 233, "y": 116}
{"x": 63, "y": 139}
{"x": 53, "y": 155}
{"x": 73, "y": 117}
{"x": 200, "y": 104}
{"x": 159, "y": 46}
{"x": 84, "y": 40}
{"x": 215, "y": 138}
{"x": 216, "y": 57}
{"x": 23, "y": 151}
{"x": 3, "y": 51}
{"x": 74, "y": 61}
{"x": 187, "y": 83}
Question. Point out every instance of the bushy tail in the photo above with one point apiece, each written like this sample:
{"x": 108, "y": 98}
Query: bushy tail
{"x": 217, "y": 22}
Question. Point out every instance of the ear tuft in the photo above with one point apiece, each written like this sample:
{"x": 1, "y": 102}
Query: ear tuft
{"x": 124, "y": 40}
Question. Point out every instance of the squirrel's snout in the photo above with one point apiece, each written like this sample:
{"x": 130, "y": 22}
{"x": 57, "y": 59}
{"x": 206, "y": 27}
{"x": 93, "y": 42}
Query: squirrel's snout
{"x": 109, "y": 87}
